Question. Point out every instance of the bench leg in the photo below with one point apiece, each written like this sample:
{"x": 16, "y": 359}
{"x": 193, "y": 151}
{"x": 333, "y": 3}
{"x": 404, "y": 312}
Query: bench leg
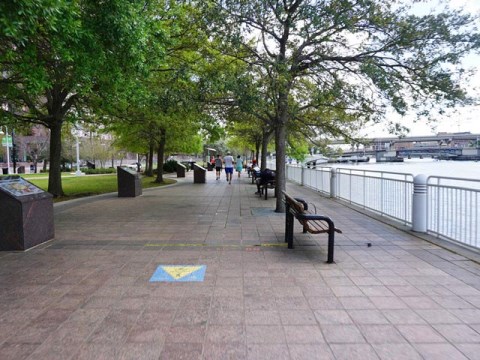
{"x": 289, "y": 223}
{"x": 266, "y": 190}
{"x": 331, "y": 244}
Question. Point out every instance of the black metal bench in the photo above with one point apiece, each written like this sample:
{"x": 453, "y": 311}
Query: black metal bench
{"x": 255, "y": 175}
{"x": 270, "y": 184}
{"x": 311, "y": 222}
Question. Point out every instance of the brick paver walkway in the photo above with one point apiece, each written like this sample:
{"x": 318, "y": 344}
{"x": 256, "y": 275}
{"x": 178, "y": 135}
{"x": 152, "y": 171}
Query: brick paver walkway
{"x": 87, "y": 294}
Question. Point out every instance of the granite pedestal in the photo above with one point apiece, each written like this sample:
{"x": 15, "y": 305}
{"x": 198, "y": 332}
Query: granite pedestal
{"x": 181, "y": 170}
{"x": 26, "y": 214}
{"x": 199, "y": 174}
{"x": 129, "y": 184}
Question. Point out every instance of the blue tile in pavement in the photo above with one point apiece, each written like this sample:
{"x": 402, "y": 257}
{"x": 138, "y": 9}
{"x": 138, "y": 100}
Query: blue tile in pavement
{"x": 176, "y": 273}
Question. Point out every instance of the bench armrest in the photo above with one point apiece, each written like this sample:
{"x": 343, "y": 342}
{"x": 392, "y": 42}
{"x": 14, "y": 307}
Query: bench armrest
{"x": 315, "y": 217}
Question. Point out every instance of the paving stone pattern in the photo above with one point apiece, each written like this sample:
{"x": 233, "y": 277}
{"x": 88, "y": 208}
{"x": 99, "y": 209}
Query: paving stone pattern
{"x": 87, "y": 295}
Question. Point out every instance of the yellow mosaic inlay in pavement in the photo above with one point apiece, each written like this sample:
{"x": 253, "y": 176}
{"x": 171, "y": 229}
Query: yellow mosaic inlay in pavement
{"x": 178, "y": 272}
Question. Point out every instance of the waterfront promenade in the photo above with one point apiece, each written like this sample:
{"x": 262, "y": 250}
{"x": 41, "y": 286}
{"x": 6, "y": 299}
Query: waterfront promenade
{"x": 88, "y": 293}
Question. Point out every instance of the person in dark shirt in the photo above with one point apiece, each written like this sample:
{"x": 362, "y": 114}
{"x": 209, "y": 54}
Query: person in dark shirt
{"x": 265, "y": 176}
{"x": 218, "y": 166}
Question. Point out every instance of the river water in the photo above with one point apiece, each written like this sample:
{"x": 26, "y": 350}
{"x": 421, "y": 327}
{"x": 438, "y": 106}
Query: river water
{"x": 452, "y": 208}
{"x": 453, "y": 204}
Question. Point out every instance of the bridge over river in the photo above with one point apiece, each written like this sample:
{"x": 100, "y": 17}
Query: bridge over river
{"x": 455, "y": 146}
{"x": 421, "y": 152}
{"x": 454, "y": 138}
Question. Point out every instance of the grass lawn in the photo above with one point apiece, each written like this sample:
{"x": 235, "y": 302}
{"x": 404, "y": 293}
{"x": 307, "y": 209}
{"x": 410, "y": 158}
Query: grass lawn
{"x": 80, "y": 186}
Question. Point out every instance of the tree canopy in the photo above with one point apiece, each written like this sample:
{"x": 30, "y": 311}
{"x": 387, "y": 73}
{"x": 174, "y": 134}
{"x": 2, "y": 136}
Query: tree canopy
{"x": 304, "y": 69}
{"x": 345, "y": 59}
{"x": 55, "y": 54}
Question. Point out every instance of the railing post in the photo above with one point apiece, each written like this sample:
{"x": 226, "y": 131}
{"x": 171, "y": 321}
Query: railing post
{"x": 419, "y": 204}
{"x": 333, "y": 183}
{"x": 303, "y": 176}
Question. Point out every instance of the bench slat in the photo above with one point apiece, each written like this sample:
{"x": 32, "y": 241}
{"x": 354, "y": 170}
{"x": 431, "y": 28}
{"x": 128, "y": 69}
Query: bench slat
{"x": 297, "y": 206}
{"x": 317, "y": 226}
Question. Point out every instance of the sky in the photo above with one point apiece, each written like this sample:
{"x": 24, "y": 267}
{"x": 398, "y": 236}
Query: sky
{"x": 462, "y": 119}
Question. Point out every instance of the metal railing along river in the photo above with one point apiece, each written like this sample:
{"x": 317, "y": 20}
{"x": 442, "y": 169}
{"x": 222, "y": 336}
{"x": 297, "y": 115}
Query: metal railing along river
{"x": 450, "y": 209}
{"x": 453, "y": 209}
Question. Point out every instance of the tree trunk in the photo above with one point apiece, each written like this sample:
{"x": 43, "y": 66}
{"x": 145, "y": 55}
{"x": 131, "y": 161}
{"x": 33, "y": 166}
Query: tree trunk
{"x": 35, "y": 162}
{"x": 280, "y": 134}
{"x": 258, "y": 144}
{"x": 55, "y": 175}
{"x": 265, "y": 140}
{"x": 149, "y": 170}
{"x": 280, "y": 140}
{"x": 160, "y": 155}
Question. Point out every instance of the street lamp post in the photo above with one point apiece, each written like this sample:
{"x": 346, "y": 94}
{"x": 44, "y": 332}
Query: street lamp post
{"x": 8, "y": 149}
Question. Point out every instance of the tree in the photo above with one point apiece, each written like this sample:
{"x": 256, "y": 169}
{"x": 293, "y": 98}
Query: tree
{"x": 356, "y": 57}
{"x": 167, "y": 113}
{"x": 36, "y": 148}
{"x": 249, "y": 131}
{"x": 54, "y": 55}
{"x": 95, "y": 148}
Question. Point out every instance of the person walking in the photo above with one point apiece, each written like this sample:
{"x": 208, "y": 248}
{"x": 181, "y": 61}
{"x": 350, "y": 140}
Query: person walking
{"x": 218, "y": 166}
{"x": 239, "y": 165}
{"x": 228, "y": 161}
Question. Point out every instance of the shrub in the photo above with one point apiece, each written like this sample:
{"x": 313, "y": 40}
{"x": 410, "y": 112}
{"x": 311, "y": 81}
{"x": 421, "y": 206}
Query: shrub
{"x": 98, "y": 171}
{"x": 170, "y": 166}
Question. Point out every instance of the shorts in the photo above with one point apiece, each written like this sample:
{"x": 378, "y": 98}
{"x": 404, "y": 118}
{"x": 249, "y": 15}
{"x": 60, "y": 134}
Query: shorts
{"x": 229, "y": 170}
{"x": 218, "y": 168}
